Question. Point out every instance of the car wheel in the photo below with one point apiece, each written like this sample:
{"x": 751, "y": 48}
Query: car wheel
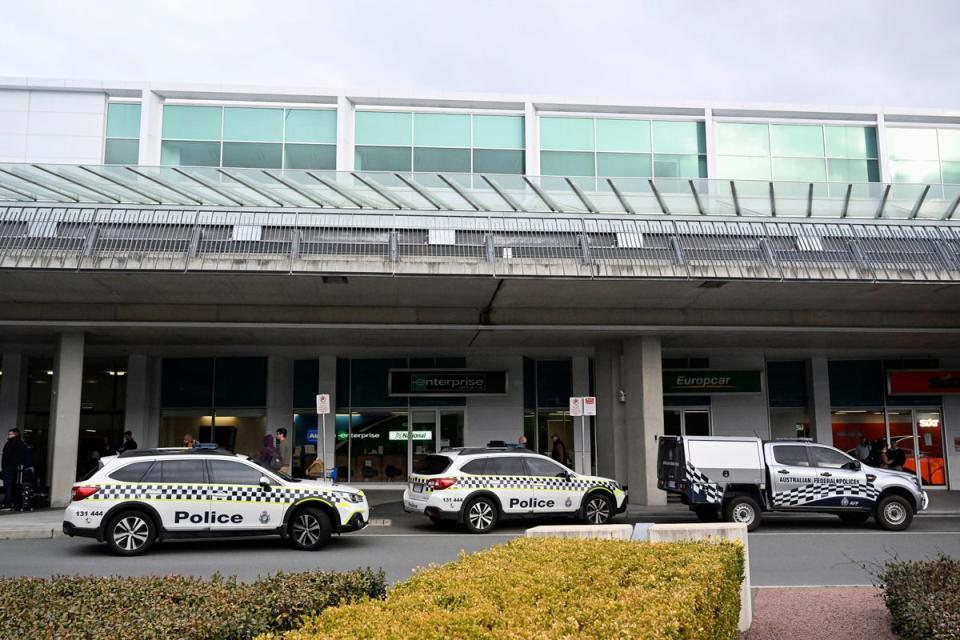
{"x": 131, "y": 533}
{"x": 598, "y": 509}
{"x": 480, "y": 515}
{"x": 743, "y": 509}
{"x": 310, "y": 529}
{"x": 854, "y": 519}
{"x": 707, "y": 514}
{"x": 894, "y": 513}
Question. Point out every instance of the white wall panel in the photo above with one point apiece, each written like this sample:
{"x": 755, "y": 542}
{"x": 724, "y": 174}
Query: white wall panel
{"x": 67, "y": 102}
{"x": 66, "y": 124}
{"x": 13, "y": 122}
{"x": 13, "y": 148}
{"x": 64, "y": 148}
{"x": 14, "y": 100}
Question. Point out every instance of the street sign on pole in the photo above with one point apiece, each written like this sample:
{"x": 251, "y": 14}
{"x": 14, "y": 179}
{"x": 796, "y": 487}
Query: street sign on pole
{"x": 323, "y": 408}
{"x": 576, "y": 406}
{"x": 323, "y": 403}
{"x": 590, "y": 406}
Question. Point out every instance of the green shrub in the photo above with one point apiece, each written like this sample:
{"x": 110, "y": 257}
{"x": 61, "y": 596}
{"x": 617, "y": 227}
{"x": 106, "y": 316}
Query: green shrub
{"x": 923, "y": 598}
{"x": 175, "y": 607}
{"x": 544, "y": 588}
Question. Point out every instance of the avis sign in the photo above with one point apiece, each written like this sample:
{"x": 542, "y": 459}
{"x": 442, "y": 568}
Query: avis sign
{"x": 583, "y": 406}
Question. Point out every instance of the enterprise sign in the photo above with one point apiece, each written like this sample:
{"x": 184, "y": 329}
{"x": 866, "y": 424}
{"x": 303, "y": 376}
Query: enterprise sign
{"x": 438, "y": 383}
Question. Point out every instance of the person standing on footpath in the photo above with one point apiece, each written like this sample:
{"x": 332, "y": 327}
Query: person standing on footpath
{"x": 13, "y": 452}
{"x": 282, "y": 450}
{"x": 128, "y": 442}
{"x": 559, "y": 452}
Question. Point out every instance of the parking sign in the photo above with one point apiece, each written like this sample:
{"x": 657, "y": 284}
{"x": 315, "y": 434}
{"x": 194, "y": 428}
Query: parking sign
{"x": 576, "y": 406}
{"x": 323, "y": 404}
{"x": 590, "y": 406}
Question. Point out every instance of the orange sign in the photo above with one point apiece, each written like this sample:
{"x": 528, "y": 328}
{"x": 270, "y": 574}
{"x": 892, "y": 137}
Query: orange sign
{"x": 933, "y": 382}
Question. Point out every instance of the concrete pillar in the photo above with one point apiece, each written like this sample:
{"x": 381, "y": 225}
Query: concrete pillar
{"x": 710, "y": 136}
{"x": 137, "y": 408}
{"x": 280, "y": 400}
{"x": 582, "y": 442}
{"x": 151, "y": 128}
{"x": 819, "y": 386}
{"x": 328, "y": 384}
{"x": 345, "y": 134}
{"x": 643, "y": 384}
{"x": 65, "y": 416}
{"x": 497, "y": 417}
{"x": 882, "y": 149}
{"x": 531, "y": 133}
{"x": 611, "y": 414}
{"x": 152, "y": 425}
{"x": 951, "y": 429}
{"x": 11, "y": 387}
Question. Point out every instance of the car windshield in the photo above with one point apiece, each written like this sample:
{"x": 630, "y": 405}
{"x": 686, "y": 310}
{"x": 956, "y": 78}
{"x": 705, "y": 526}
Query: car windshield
{"x": 432, "y": 465}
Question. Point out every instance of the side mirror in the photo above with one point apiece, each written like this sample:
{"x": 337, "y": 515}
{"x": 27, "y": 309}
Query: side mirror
{"x": 853, "y": 465}
{"x": 265, "y": 483}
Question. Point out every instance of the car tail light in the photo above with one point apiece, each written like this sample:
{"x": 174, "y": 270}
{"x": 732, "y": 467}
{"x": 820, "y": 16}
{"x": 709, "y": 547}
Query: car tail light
{"x": 682, "y": 485}
{"x": 441, "y": 483}
{"x": 79, "y": 493}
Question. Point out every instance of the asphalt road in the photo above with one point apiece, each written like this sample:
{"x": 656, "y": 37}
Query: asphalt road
{"x": 815, "y": 550}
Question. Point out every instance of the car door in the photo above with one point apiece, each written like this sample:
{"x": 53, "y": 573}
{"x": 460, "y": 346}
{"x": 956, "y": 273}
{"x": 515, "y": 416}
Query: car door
{"x": 791, "y": 476}
{"x": 844, "y": 478}
{"x": 177, "y": 489}
{"x": 553, "y": 489}
{"x": 237, "y": 499}
{"x": 509, "y": 481}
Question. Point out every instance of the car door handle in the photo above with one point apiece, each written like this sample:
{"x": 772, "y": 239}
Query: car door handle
{"x": 154, "y": 492}
{"x": 783, "y": 472}
{"x": 826, "y": 475}
{"x": 222, "y": 496}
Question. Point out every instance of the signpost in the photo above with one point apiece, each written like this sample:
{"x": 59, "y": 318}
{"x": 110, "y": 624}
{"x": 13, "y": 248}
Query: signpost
{"x": 323, "y": 408}
{"x": 582, "y": 407}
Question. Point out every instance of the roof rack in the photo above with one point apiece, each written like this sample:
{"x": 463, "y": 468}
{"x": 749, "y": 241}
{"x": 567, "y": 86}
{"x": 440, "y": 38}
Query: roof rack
{"x": 467, "y": 451}
{"x": 175, "y": 451}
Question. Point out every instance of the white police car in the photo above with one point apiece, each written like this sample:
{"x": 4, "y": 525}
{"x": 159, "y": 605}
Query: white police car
{"x": 478, "y": 486}
{"x": 142, "y": 496}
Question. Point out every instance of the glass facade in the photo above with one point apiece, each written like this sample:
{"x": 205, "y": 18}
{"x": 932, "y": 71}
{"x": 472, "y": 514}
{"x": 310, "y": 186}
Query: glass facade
{"x": 122, "y": 144}
{"x": 924, "y": 155}
{"x": 249, "y": 137}
{"x": 622, "y": 148}
{"x": 439, "y": 142}
{"x": 796, "y": 152}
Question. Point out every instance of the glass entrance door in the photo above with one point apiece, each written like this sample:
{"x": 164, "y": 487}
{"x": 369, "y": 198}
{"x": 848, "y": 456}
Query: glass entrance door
{"x": 686, "y": 422}
{"x": 434, "y": 430}
{"x": 919, "y": 432}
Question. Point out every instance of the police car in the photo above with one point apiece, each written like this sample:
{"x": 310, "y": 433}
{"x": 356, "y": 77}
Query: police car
{"x": 142, "y": 496}
{"x": 478, "y": 486}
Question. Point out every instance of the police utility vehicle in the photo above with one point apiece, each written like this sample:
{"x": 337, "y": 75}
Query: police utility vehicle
{"x": 479, "y": 486}
{"x": 139, "y": 497}
{"x": 739, "y": 478}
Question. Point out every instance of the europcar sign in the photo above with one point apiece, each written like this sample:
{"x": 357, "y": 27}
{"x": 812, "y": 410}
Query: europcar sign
{"x": 438, "y": 383}
{"x": 706, "y": 382}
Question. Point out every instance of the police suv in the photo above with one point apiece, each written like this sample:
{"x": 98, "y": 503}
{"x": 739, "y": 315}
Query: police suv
{"x": 146, "y": 495}
{"x": 478, "y": 486}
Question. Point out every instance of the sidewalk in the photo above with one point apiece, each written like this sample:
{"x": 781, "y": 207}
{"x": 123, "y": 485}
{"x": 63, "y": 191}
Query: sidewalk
{"x": 819, "y": 613}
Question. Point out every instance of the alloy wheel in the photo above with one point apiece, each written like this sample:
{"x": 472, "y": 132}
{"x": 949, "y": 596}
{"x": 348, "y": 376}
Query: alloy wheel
{"x": 131, "y": 533}
{"x": 598, "y": 511}
{"x": 481, "y": 515}
{"x": 306, "y": 529}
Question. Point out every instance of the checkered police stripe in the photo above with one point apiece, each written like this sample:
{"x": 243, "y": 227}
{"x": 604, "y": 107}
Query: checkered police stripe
{"x": 530, "y": 482}
{"x": 815, "y": 492}
{"x": 209, "y": 492}
{"x": 700, "y": 484}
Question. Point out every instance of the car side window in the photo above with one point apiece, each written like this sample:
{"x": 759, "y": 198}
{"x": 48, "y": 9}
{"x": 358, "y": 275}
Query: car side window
{"x": 183, "y": 471}
{"x": 794, "y": 455}
{"x": 131, "y": 472}
{"x": 505, "y": 466}
{"x": 475, "y": 467}
{"x": 225, "y": 472}
{"x": 541, "y": 467}
{"x": 824, "y": 457}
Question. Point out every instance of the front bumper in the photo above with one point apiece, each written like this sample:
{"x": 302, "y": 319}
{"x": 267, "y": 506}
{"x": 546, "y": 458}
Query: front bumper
{"x": 924, "y": 501}
{"x": 356, "y": 522}
{"x": 73, "y": 530}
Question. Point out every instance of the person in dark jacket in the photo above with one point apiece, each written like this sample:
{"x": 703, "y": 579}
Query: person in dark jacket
{"x": 128, "y": 442}
{"x": 559, "y": 452}
{"x": 13, "y": 452}
{"x": 269, "y": 457}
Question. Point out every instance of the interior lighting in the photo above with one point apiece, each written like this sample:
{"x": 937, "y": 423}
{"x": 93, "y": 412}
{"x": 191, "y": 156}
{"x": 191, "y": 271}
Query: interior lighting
{"x": 49, "y": 372}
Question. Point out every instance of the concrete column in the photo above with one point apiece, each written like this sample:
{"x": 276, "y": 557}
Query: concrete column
{"x": 710, "y": 136}
{"x": 151, "y": 128}
{"x": 345, "y": 134}
{"x": 582, "y": 442}
{"x": 611, "y": 414}
{"x": 497, "y": 417}
{"x": 951, "y": 429}
{"x": 137, "y": 407}
{"x": 531, "y": 133}
{"x": 819, "y": 386}
{"x": 65, "y": 416}
{"x": 643, "y": 384}
{"x": 882, "y": 150}
{"x": 328, "y": 384}
{"x": 152, "y": 425}
{"x": 280, "y": 400}
{"x": 11, "y": 386}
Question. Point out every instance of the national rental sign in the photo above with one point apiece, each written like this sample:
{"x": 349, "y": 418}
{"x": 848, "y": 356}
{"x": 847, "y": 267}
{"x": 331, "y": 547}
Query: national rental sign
{"x": 706, "y": 382}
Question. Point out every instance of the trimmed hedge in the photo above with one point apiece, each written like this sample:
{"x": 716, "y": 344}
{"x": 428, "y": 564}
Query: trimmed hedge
{"x": 92, "y": 608}
{"x": 546, "y": 588}
{"x": 923, "y": 598}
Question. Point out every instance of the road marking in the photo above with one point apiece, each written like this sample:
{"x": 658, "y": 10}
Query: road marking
{"x": 380, "y": 522}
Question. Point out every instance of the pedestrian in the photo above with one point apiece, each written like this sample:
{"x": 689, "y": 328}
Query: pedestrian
{"x": 269, "y": 457}
{"x": 106, "y": 449}
{"x": 863, "y": 450}
{"x": 129, "y": 443}
{"x": 559, "y": 452}
{"x": 13, "y": 453}
{"x": 522, "y": 442}
{"x": 282, "y": 450}
{"x": 188, "y": 441}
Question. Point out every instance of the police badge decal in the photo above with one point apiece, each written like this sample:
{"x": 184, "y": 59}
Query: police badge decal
{"x": 264, "y": 518}
{"x": 568, "y": 503}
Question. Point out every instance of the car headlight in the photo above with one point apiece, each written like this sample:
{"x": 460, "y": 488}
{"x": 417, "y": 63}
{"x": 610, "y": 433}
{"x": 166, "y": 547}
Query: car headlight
{"x": 355, "y": 498}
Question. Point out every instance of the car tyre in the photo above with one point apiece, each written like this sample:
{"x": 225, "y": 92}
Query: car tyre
{"x": 894, "y": 513}
{"x": 309, "y": 529}
{"x": 854, "y": 519}
{"x": 480, "y": 515}
{"x": 707, "y": 514}
{"x": 598, "y": 509}
{"x": 131, "y": 533}
{"x": 743, "y": 509}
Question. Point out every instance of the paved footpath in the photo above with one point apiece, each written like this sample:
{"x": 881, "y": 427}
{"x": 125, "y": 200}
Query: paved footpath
{"x": 819, "y": 613}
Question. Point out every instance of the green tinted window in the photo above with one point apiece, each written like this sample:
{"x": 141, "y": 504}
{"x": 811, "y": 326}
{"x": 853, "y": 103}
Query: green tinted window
{"x": 566, "y": 134}
{"x": 624, "y": 165}
{"x": 799, "y": 169}
{"x": 311, "y": 125}
{"x": 851, "y": 142}
{"x": 253, "y": 125}
{"x": 742, "y": 139}
{"x": 796, "y": 140}
{"x": 912, "y": 144}
{"x": 679, "y": 137}
{"x": 678, "y": 166}
{"x": 949, "y": 144}
{"x": 184, "y": 122}
{"x": 121, "y": 151}
{"x": 951, "y": 172}
{"x": 915, "y": 171}
{"x": 384, "y": 128}
{"x": 123, "y": 120}
{"x": 441, "y": 160}
{"x": 623, "y": 135}
{"x": 383, "y": 159}
{"x": 310, "y": 156}
{"x": 498, "y": 132}
{"x": 497, "y": 161}
{"x": 566, "y": 163}
{"x": 441, "y": 130}
{"x": 739, "y": 168}
{"x": 254, "y": 155}
{"x": 190, "y": 154}
{"x": 852, "y": 170}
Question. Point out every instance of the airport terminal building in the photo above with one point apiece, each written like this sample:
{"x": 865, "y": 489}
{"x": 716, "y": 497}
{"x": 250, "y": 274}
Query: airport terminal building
{"x": 451, "y": 269}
